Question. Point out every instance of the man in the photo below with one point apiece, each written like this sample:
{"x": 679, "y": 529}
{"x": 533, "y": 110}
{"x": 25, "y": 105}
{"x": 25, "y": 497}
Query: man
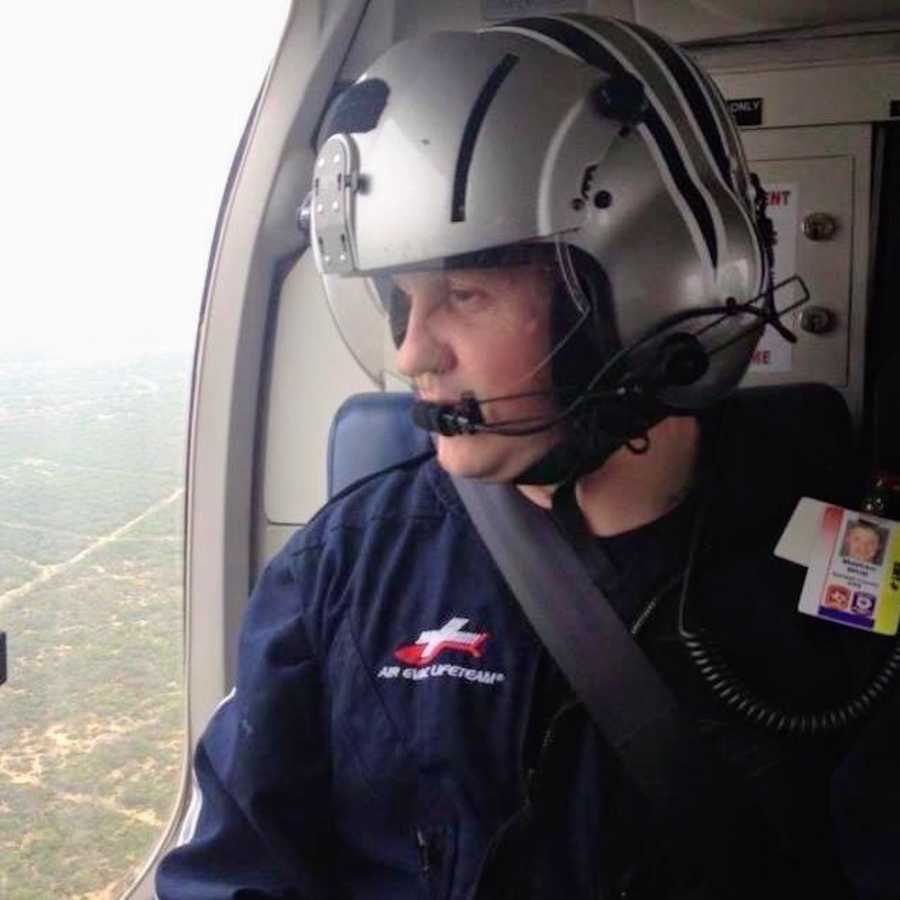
{"x": 554, "y": 221}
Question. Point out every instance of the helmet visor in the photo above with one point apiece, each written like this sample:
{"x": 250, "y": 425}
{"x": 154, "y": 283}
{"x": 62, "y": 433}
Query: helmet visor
{"x": 488, "y": 323}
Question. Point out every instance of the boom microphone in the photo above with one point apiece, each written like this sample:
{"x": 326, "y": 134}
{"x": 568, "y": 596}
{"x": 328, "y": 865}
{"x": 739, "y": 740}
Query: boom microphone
{"x": 449, "y": 419}
{"x": 680, "y": 360}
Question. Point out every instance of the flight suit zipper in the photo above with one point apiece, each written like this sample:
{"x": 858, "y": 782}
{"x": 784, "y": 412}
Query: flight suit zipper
{"x": 546, "y": 743}
{"x": 431, "y": 844}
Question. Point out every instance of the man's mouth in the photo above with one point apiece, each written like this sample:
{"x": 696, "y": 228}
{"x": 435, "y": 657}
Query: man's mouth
{"x": 442, "y": 398}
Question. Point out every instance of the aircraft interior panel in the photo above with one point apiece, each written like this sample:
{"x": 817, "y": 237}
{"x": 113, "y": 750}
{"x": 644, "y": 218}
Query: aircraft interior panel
{"x": 821, "y": 179}
{"x": 713, "y": 20}
{"x": 312, "y": 372}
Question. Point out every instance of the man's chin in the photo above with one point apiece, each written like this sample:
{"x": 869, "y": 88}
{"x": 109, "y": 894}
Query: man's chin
{"x": 480, "y": 457}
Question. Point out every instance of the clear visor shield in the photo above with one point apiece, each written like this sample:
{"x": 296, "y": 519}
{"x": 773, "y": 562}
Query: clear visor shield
{"x": 487, "y": 324}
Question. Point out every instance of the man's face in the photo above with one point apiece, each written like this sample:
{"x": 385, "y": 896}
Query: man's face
{"x": 862, "y": 543}
{"x": 484, "y": 331}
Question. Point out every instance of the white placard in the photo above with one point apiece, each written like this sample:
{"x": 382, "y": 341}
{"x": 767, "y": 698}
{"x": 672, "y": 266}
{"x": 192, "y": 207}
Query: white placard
{"x": 773, "y": 352}
{"x": 799, "y": 538}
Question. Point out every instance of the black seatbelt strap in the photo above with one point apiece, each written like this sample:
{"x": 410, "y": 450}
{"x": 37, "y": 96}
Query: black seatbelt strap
{"x": 625, "y": 696}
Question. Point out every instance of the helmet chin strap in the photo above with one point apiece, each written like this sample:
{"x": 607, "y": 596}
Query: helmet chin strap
{"x": 596, "y": 425}
{"x": 566, "y": 462}
{"x": 593, "y": 436}
{"x": 599, "y": 418}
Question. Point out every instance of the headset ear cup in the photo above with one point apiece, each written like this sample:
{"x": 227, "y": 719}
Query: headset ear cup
{"x": 587, "y": 338}
{"x": 681, "y": 360}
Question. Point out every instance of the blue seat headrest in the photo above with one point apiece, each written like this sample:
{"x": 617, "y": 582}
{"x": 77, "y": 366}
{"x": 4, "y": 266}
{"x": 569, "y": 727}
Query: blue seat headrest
{"x": 371, "y": 432}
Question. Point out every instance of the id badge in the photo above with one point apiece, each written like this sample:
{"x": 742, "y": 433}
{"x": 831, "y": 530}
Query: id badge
{"x": 854, "y": 570}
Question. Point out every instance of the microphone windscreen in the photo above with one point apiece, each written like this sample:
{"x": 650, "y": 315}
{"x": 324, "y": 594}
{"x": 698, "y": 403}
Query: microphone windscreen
{"x": 428, "y": 416}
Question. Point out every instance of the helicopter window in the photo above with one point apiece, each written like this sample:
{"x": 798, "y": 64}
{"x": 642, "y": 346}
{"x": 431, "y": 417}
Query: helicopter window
{"x": 127, "y": 121}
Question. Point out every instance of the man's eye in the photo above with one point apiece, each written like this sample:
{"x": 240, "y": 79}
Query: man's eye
{"x": 471, "y": 299}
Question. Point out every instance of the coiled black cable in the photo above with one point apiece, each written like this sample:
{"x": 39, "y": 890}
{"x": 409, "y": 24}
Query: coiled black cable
{"x": 736, "y": 696}
{"x": 732, "y": 691}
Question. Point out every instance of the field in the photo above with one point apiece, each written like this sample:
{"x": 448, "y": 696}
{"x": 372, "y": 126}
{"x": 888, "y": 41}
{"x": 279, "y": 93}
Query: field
{"x": 91, "y": 507}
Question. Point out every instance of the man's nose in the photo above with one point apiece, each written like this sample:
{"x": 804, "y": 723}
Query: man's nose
{"x": 423, "y": 349}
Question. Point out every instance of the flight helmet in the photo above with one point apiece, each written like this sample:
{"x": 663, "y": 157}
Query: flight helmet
{"x": 588, "y": 147}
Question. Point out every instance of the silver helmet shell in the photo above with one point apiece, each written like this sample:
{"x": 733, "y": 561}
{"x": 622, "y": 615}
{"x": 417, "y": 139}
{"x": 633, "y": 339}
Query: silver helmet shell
{"x": 524, "y": 133}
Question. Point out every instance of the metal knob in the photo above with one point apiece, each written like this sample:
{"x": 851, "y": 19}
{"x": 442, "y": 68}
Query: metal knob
{"x": 819, "y": 226}
{"x": 817, "y": 320}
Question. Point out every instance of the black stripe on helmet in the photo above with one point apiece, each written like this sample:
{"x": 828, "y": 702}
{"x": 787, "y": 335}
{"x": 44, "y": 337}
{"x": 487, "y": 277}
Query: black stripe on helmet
{"x": 592, "y": 50}
{"x": 686, "y": 78}
{"x": 470, "y": 134}
{"x": 731, "y": 133}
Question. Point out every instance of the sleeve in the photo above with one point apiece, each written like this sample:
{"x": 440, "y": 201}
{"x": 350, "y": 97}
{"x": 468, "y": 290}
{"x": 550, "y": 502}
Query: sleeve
{"x": 258, "y": 823}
